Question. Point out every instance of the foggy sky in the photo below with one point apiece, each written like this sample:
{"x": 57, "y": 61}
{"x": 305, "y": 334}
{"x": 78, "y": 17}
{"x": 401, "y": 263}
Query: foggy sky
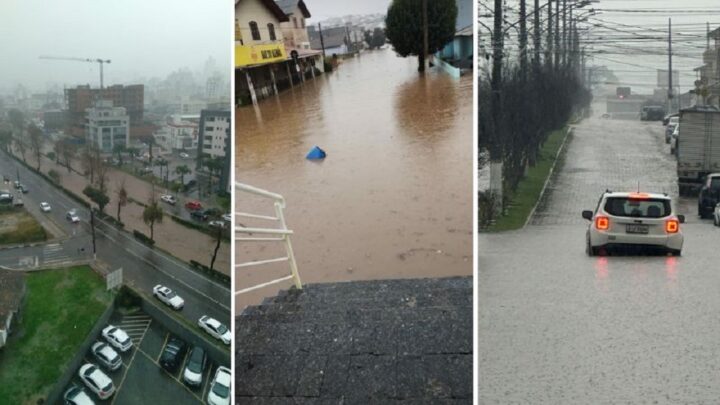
{"x": 322, "y": 9}
{"x": 143, "y": 38}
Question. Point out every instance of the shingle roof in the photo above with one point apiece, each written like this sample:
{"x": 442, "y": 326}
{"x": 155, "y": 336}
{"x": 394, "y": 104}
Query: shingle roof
{"x": 332, "y": 37}
{"x": 288, "y": 7}
{"x": 12, "y": 289}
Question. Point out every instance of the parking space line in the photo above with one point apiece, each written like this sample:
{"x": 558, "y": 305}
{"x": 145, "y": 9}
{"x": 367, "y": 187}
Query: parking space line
{"x": 207, "y": 382}
{"x": 167, "y": 336}
{"x": 185, "y": 359}
{"x": 171, "y": 376}
{"x": 137, "y": 349}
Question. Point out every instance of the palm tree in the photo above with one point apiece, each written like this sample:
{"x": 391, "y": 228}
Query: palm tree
{"x": 181, "y": 171}
{"x": 122, "y": 199}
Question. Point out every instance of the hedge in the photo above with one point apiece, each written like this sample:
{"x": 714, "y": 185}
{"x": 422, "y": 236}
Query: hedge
{"x": 209, "y": 272}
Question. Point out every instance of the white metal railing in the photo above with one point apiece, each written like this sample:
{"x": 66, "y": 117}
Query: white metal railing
{"x": 281, "y": 234}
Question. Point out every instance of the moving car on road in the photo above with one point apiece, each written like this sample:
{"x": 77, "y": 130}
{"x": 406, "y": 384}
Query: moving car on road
{"x": 77, "y": 396}
{"x": 117, "y": 338}
{"x": 168, "y": 297}
{"x": 97, "y": 381}
{"x": 219, "y": 392}
{"x": 45, "y": 207}
{"x": 634, "y": 219}
{"x": 168, "y": 199}
{"x": 197, "y": 360}
{"x": 72, "y": 216}
{"x": 106, "y": 355}
{"x": 215, "y": 329}
{"x": 709, "y": 195}
{"x": 173, "y": 354}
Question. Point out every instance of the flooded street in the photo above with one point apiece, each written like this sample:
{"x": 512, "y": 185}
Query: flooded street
{"x": 393, "y": 198}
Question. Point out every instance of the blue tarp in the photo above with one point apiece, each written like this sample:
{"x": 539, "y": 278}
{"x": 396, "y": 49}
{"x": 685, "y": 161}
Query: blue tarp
{"x": 316, "y": 153}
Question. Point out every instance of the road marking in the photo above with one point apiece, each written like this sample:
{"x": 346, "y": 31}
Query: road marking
{"x": 171, "y": 376}
{"x": 167, "y": 336}
{"x": 207, "y": 382}
{"x": 137, "y": 349}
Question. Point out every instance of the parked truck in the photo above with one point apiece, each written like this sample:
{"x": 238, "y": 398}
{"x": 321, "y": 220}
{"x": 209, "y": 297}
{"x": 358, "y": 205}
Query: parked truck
{"x": 697, "y": 147}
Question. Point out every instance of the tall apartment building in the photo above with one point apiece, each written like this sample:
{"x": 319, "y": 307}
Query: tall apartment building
{"x": 107, "y": 126}
{"x": 81, "y": 98}
{"x": 214, "y": 141}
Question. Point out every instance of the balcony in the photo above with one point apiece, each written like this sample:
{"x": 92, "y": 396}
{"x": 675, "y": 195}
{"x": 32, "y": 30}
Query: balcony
{"x": 253, "y": 55}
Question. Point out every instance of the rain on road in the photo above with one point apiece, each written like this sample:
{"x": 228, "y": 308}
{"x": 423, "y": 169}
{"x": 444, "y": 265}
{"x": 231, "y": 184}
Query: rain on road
{"x": 393, "y": 198}
{"x": 556, "y": 326}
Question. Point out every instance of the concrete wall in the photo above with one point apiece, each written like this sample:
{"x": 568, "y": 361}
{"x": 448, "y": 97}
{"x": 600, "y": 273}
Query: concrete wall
{"x": 254, "y": 10}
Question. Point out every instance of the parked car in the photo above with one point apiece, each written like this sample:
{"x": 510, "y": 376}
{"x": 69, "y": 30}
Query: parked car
{"x": 199, "y": 215}
{"x": 170, "y": 199}
{"x": 16, "y": 184}
{"x": 674, "y": 140}
{"x": 709, "y": 195}
{"x": 219, "y": 392}
{"x": 217, "y": 224}
{"x": 196, "y": 362}
{"x": 669, "y": 129}
{"x": 193, "y": 205}
{"x": 652, "y": 113}
{"x": 75, "y": 395}
{"x": 117, "y": 337}
{"x": 168, "y": 297}
{"x": 106, "y": 355}
{"x": 716, "y": 215}
{"x": 215, "y": 329}
{"x": 72, "y": 216}
{"x": 667, "y": 118}
{"x": 97, "y": 381}
{"x": 184, "y": 155}
{"x": 634, "y": 219}
{"x": 23, "y": 189}
{"x": 6, "y": 196}
{"x": 227, "y": 217}
{"x": 45, "y": 207}
{"x": 173, "y": 354}
{"x": 18, "y": 202}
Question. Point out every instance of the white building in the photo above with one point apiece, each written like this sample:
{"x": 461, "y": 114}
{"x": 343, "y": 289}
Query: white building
{"x": 214, "y": 140}
{"x": 177, "y": 134}
{"x": 107, "y": 126}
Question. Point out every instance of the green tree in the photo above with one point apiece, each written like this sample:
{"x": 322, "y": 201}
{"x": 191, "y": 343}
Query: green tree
{"x": 54, "y": 175}
{"x": 119, "y": 149}
{"x": 378, "y": 38}
{"x": 5, "y": 140}
{"x": 35, "y": 136}
{"x": 181, "y": 171}
{"x": 68, "y": 151}
{"x": 404, "y": 24}
{"x": 97, "y": 196}
{"x": 152, "y": 214}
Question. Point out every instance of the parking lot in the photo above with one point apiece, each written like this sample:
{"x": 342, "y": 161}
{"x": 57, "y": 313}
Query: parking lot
{"x": 141, "y": 379}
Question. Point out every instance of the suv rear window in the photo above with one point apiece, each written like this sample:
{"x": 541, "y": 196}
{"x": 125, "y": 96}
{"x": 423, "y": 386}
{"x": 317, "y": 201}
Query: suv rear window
{"x": 715, "y": 183}
{"x": 637, "y": 208}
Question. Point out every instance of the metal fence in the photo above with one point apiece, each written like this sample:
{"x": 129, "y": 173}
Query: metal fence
{"x": 279, "y": 234}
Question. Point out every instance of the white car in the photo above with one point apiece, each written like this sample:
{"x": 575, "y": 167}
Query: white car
{"x": 215, "y": 329}
{"x": 117, "y": 338}
{"x": 227, "y": 217}
{"x": 217, "y": 224}
{"x": 195, "y": 366}
{"x": 77, "y": 396}
{"x": 97, "y": 381}
{"x": 219, "y": 392}
{"x": 184, "y": 155}
{"x": 72, "y": 216}
{"x": 674, "y": 139}
{"x": 106, "y": 355}
{"x": 168, "y": 297}
{"x": 168, "y": 199}
{"x": 45, "y": 207}
{"x": 716, "y": 215}
{"x": 634, "y": 219}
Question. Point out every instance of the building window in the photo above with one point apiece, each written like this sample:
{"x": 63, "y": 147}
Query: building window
{"x": 302, "y": 21}
{"x": 271, "y": 30}
{"x": 295, "y": 21}
{"x": 254, "y": 31}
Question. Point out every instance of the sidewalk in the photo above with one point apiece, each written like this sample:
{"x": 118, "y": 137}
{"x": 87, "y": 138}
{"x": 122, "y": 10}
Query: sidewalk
{"x": 182, "y": 242}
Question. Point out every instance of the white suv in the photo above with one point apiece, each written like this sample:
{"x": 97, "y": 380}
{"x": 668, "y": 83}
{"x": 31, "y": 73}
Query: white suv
{"x": 634, "y": 219}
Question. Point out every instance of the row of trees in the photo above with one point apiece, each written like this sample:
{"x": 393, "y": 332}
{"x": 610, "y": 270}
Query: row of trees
{"x": 522, "y": 101}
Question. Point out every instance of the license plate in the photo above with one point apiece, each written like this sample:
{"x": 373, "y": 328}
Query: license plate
{"x": 641, "y": 229}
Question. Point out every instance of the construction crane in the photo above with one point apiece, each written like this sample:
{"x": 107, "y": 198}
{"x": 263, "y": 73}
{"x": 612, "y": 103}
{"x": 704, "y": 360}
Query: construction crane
{"x": 99, "y": 61}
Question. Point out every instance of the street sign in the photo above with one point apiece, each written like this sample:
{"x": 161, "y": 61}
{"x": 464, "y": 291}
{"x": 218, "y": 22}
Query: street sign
{"x": 114, "y": 279}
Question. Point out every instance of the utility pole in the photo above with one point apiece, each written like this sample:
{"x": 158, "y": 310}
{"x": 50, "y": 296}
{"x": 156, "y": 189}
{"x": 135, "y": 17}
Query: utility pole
{"x": 670, "y": 81}
{"x": 496, "y": 147}
{"x": 549, "y": 45}
{"x": 322, "y": 41}
{"x": 536, "y": 38}
{"x": 425, "y": 35}
{"x": 523, "y": 39}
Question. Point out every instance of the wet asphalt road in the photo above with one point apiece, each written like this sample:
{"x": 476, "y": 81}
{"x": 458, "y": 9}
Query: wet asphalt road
{"x": 143, "y": 267}
{"x": 558, "y": 327}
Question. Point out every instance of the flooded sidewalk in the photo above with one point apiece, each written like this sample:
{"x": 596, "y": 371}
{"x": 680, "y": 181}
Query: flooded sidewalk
{"x": 393, "y": 198}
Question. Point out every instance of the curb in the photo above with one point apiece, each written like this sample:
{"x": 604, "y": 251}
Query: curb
{"x": 549, "y": 176}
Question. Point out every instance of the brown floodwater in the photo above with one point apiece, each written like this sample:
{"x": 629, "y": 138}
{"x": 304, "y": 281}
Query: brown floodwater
{"x": 393, "y": 198}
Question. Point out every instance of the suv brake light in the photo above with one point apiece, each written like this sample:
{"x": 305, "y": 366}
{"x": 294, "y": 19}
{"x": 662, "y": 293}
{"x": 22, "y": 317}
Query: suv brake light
{"x": 602, "y": 222}
{"x": 672, "y": 226}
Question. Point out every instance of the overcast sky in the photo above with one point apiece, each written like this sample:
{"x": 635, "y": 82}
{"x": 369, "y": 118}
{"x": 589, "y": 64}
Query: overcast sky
{"x": 322, "y": 9}
{"x": 143, "y": 38}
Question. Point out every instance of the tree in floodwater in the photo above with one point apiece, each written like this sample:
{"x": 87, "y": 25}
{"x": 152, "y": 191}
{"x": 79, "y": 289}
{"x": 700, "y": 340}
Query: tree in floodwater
{"x": 405, "y": 27}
